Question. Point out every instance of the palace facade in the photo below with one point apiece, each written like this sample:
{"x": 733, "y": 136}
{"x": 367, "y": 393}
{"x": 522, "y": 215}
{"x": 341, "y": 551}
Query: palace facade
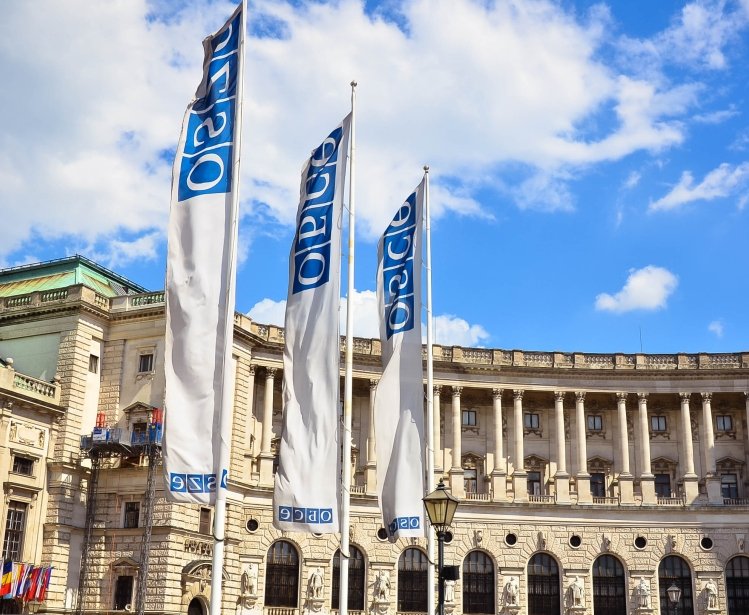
{"x": 590, "y": 483}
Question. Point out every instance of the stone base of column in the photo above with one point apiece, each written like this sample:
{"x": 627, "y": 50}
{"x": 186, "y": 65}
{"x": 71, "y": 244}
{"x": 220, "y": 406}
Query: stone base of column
{"x": 691, "y": 488}
{"x": 626, "y": 489}
{"x": 370, "y": 478}
{"x": 457, "y": 486}
{"x": 647, "y": 488}
{"x": 562, "y": 482}
{"x": 265, "y": 463}
{"x": 520, "y": 486}
{"x": 582, "y": 481}
{"x": 499, "y": 486}
{"x": 714, "y": 495}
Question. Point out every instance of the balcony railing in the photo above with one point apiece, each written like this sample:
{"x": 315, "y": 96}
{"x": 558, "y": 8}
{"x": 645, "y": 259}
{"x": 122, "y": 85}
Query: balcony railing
{"x": 541, "y": 499}
{"x": 736, "y": 501}
{"x": 280, "y": 610}
{"x": 607, "y": 501}
{"x": 479, "y": 497}
{"x": 674, "y": 501}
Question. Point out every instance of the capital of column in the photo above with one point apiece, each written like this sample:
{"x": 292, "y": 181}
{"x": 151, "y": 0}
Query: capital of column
{"x": 270, "y": 372}
{"x": 518, "y": 394}
{"x": 253, "y": 367}
{"x": 559, "y": 395}
{"x": 436, "y": 389}
{"x": 373, "y": 383}
{"x": 457, "y": 391}
{"x": 622, "y": 396}
{"x": 641, "y": 396}
{"x": 497, "y": 393}
{"x": 579, "y": 396}
{"x": 706, "y": 396}
{"x": 685, "y": 397}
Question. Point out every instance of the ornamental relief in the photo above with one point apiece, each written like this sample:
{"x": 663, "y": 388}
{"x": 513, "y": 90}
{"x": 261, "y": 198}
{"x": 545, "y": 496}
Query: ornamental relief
{"x": 28, "y": 435}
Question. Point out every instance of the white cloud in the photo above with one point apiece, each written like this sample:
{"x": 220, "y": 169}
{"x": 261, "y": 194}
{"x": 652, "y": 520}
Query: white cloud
{"x": 718, "y": 183}
{"x": 268, "y": 312}
{"x": 645, "y": 289}
{"x": 716, "y": 327}
{"x": 632, "y": 180}
{"x": 451, "y": 330}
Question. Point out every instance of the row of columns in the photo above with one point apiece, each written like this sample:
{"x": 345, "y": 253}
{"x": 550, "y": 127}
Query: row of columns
{"x": 519, "y": 474}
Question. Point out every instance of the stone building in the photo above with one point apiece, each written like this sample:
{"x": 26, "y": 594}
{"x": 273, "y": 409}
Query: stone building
{"x": 590, "y": 483}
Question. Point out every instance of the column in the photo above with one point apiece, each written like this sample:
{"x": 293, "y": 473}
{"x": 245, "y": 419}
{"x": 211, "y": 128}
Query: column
{"x": 370, "y": 471}
{"x": 582, "y": 477}
{"x": 690, "y": 479}
{"x": 562, "y": 477}
{"x": 499, "y": 472}
{"x": 439, "y": 452}
{"x": 626, "y": 480}
{"x": 647, "y": 480}
{"x": 519, "y": 475}
{"x": 266, "y": 455}
{"x": 457, "y": 486}
{"x": 712, "y": 480}
{"x": 249, "y": 425}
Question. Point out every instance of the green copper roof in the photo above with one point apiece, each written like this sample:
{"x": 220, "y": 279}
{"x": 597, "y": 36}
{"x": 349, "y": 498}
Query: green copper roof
{"x": 64, "y": 272}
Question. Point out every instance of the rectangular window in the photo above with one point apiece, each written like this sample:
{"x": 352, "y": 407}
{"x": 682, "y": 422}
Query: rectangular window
{"x": 663, "y": 485}
{"x": 132, "y": 514}
{"x": 145, "y": 363}
{"x": 597, "y": 484}
{"x": 469, "y": 418}
{"x": 93, "y": 364}
{"x": 23, "y": 465}
{"x": 470, "y": 482}
{"x": 534, "y": 482}
{"x": 140, "y": 433}
{"x": 123, "y": 593}
{"x": 15, "y": 524}
{"x": 724, "y": 422}
{"x": 205, "y": 521}
{"x": 729, "y": 486}
{"x": 531, "y": 420}
{"x": 658, "y": 423}
{"x": 595, "y": 422}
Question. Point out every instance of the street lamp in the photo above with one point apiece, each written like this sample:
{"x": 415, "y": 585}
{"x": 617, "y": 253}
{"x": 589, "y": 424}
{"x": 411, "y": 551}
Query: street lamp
{"x": 674, "y": 594}
{"x": 441, "y": 506}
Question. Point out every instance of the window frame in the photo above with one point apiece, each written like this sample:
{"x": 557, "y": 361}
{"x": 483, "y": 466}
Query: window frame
{"x": 142, "y": 356}
{"x": 14, "y": 535}
{"x": 656, "y": 484}
{"x": 205, "y": 526}
{"x": 117, "y": 604}
{"x": 131, "y": 514}
{"x": 655, "y": 423}
{"x": 472, "y": 415}
{"x": 19, "y": 457}
{"x": 529, "y": 418}
{"x": 594, "y": 423}
{"x": 727, "y": 423}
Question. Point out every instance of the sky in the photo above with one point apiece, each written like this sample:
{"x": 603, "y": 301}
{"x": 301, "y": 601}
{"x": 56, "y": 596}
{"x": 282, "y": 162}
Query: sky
{"x": 589, "y": 162}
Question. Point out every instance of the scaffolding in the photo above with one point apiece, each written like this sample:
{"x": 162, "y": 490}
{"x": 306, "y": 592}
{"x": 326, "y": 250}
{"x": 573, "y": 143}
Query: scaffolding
{"x": 112, "y": 443}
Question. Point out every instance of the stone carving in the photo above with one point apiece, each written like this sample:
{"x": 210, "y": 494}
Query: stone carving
{"x": 27, "y": 435}
{"x": 642, "y": 594}
{"x": 511, "y": 592}
{"x": 740, "y": 542}
{"x": 711, "y": 594}
{"x": 478, "y": 536}
{"x": 315, "y": 584}
{"x": 541, "y": 541}
{"x": 382, "y": 586}
{"x": 249, "y": 580}
{"x": 606, "y": 543}
{"x": 671, "y": 544}
{"x": 577, "y": 593}
{"x": 449, "y": 591}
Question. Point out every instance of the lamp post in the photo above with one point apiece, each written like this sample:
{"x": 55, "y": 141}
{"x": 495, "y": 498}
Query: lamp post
{"x": 441, "y": 506}
{"x": 674, "y": 595}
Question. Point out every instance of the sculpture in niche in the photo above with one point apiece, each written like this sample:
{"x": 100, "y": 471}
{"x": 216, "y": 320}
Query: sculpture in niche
{"x": 577, "y": 592}
{"x": 511, "y": 592}
{"x": 449, "y": 590}
{"x": 315, "y": 584}
{"x": 478, "y": 536}
{"x": 642, "y": 594}
{"x": 249, "y": 580}
{"x": 382, "y": 586}
{"x": 711, "y": 594}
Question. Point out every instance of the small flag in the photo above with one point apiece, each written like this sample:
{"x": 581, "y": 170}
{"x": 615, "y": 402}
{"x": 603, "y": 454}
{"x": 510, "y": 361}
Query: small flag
{"x": 6, "y": 580}
{"x": 42, "y": 595}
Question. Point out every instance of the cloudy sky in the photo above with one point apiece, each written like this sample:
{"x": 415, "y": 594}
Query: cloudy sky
{"x": 589, "y": 161}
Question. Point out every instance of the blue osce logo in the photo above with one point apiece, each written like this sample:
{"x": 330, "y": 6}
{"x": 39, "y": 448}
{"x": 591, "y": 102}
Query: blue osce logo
{"x": 403, "y": 523}
{"x": 195, "y": 483}
{"x": 294, "y": 514}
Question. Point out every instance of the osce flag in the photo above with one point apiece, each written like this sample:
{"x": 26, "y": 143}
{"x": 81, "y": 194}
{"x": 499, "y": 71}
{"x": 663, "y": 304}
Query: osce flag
{"x": 200, "y": 273}
{"x": 306, "y": 496}
{"x": 399, "y": 397}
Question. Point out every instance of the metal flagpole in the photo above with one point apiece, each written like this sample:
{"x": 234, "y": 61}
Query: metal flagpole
{"x": 219, "y": 519}
{"x": 430, "y": 389}
{"x": 348, "y": 379}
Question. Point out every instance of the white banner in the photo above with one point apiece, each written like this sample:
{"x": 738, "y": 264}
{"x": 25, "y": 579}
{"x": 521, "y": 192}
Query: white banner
{"x": 399, "y": 397}
{"x": 307, "y": 489}
{"x": 200, "y": 276}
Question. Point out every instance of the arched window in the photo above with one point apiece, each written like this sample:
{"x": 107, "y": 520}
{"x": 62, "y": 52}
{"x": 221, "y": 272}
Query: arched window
{"x": 478, "y": 583}
{"x": 282, "y": 575}
{"x": 356, "y": 582}
{"x": 412, "y": 581}
{"x": 737, "y": 585}
{"x": 195, "y": 607}
{"x": 543, "y": 585}
{"x": 609, "y": 587}
{"x": 673, "y": 570}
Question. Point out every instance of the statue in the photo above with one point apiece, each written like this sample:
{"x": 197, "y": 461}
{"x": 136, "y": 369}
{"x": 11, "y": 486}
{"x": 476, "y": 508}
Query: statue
{"x": 711, "y": 592}
{"x": 249, "y": 581}
{"x": 577, "y": 592}
{"x": 382, "y": 586}
{"x": 511, "y": 592}
{"x": 642, "y": 594}
{"x": 315, "y": 584}
{"x": 449, "y": 590}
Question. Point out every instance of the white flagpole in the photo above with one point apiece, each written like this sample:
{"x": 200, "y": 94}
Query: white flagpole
{"x": 219, "y": 519}
{"x": 348, "y": 378}
{"x": 429, "y": 483}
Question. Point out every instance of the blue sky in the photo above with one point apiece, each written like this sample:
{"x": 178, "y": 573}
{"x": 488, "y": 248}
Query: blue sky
{"x": 589, "y": 161}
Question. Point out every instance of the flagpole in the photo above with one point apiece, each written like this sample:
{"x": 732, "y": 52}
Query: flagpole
{"x": 348, "y": 379}
{"x": 219, "y": 519}
{"x": 430, "y": 388}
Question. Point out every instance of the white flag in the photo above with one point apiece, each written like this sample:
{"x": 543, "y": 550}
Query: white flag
{"x": 306, "y": 497}
{"x": 399, "y": 397}
{"x": 200, "y": 275}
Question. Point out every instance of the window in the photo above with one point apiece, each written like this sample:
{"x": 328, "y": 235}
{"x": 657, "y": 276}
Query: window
{"x": 478, "y": 583}
{"x": 93, "y": 364}
{"x": 609, "y": 590}
{"x": 469, "y": 418}
{"x": 123, "y": 592}
{"x": 145, "y": 363}
{"x": 673, "y": 570}
{"x": 663, "y": 485}
{"x": 470, "y": 480}
{"x": 15, "y": 524}
{"x": 282, "y": 575}
{"x": 595, "y": 422}
{"x": 412, "y": 581}
{"x": 729, "y": 486}
{"x": 543, "y": 585}
{"x": 357, "y": 588}
{"x": 132, "y": 515}
{"x": 658, "y": 423}
{"x": 724, "y": 422}
{"x": 737, "y": 585}
{"x": 531, "y": 420}
{"x": 534, "y": 483}
{"x": 205, "y": 521}
{"x": 598, "y": 484}
{"x": 23, "y": 465}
